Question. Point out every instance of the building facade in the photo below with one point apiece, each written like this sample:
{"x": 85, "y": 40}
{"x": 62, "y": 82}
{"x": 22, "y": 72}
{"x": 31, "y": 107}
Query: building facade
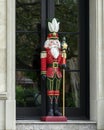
{"x": 7, "y": 63}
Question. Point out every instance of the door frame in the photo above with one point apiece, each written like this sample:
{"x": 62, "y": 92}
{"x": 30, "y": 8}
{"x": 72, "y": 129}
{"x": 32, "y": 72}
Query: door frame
{"x": 95, "y": 61}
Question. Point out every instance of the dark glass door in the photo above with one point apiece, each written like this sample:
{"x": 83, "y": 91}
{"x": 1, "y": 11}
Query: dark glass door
{"x": 28, "y": 36}
{"x": 31, "y": 32}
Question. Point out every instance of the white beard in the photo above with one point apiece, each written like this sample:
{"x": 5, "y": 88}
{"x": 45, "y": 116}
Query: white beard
{"x": 55, "y": 52}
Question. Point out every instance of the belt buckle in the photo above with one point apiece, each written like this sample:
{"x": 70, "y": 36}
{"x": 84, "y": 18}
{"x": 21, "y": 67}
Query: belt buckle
{"x": 55, "y": 65}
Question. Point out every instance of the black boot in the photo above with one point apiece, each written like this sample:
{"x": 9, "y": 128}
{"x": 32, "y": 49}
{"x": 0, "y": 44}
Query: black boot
{"x": 50, "y": 112}
{"x": 50, "y": 108}
{"x": 56, "y": 111}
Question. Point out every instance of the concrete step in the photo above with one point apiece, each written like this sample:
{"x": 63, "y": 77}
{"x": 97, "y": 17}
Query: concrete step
{"x": 69, "y": 125}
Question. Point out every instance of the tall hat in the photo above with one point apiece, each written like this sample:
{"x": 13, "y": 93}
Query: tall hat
{"x": 53, "y": 28}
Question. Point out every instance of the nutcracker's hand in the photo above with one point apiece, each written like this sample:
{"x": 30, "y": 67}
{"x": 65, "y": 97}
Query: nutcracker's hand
{"x": 43, "y": 76}
{"x": 63, "y": 66}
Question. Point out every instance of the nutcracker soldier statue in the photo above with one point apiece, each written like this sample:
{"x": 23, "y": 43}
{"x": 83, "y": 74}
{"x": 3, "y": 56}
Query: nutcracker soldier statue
{"x": 52, "y": 60}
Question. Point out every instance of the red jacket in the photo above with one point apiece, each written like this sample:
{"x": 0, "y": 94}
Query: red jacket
{"x": 50, "y": 65}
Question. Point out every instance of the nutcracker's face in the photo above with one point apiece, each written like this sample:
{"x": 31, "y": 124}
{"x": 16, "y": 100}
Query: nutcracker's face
{"x": 54, "y": 46}
{"x": 51, "y": 43}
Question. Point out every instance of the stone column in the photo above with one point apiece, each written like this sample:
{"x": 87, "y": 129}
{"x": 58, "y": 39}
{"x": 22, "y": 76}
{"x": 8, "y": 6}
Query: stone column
{"x": 10, "y": 113}
{"x": 3, "y": 69}
{"x": 97, "y": 62}
{"x": 7, "y": 65}
{"x": 100, "y": 62}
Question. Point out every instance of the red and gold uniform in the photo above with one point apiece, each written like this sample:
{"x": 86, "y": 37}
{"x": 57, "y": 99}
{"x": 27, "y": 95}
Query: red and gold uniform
{"x": 50, "y": 66}
{"x": 52, "y": 58}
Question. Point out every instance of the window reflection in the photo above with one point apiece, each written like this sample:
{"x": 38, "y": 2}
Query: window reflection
{"x": 27, "y": 89}
{"x": 28, "y": 94}
{"x": 68, "y": 13}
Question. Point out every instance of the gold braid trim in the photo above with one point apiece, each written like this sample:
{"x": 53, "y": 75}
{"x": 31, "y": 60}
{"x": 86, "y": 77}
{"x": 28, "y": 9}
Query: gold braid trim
{"x": 43, "y": 72}
{"x": 50, "y": 84}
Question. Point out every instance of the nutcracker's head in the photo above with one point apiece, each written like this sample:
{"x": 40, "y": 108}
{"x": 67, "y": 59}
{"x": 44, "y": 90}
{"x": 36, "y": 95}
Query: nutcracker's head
{"x": 52, "y": 38}
{"x": 49, "y": 43}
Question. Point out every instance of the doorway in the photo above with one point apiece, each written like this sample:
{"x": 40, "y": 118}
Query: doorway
{"x": 31, "y": 32}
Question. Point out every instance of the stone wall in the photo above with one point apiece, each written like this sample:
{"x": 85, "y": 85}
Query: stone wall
{"x": 7, "y": 65}
{"x": 2, "y": 46}
{"x": 2, "y": 62}
{"x": 97, "y": 62}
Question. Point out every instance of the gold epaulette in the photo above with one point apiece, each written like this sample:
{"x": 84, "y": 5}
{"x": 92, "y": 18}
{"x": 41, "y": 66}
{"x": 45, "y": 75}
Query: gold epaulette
{"x": 43, "y": 54}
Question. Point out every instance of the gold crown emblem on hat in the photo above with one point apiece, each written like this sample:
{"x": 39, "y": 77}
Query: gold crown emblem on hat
{"x": 53, "y": 28}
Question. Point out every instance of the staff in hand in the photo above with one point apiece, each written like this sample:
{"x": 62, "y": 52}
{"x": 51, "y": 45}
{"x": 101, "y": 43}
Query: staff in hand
{"x": 64, "y": 48}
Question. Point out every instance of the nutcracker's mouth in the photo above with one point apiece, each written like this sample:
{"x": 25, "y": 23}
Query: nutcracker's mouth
{"x": 54, "y": 46}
